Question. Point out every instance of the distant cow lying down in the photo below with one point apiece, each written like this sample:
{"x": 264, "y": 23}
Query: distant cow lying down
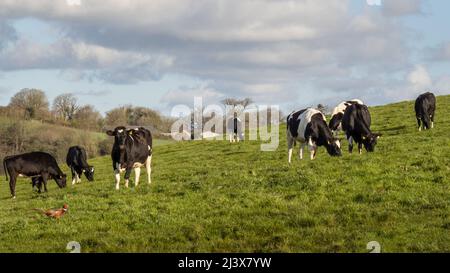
{"x": 132, "y": 149}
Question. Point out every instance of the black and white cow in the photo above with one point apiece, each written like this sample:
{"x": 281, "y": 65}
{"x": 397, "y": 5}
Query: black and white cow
{"x": 76, "y": 159}
{"x": 39, "y": 166}
{"x": 132, "y": 149}
{"x": 356, "y": 125}
{"x": 234, "y": 129}
{"x": 338, "y": 113}
{"x": 309, "y": 126}
{"x": 425, "y": 108}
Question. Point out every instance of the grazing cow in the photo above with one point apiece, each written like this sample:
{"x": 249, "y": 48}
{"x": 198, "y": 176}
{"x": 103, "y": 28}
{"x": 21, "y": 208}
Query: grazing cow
{"x": 37, "y": 165}
{"x": 77, "y": 161}
{"x": 234, "y": 129}
{"x": 309, "y": 126}
{"x": 425, "y": 107}
{"x": 132, "y": 149}
{"x": 338, "y": 113}
{"x": 356, "y": 125}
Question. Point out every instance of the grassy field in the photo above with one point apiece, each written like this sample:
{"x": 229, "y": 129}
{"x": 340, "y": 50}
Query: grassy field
{"x": 218, "y": 197}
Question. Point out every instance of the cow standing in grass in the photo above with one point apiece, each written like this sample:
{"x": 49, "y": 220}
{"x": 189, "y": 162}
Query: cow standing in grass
{"x": 425, "y": 107}
{"x": 309, "y": 127}
{"x": 39, "y": 166}
{"x": 356, "y": 125}
{"x": 76, "y": 159}
{"x": 338, "y": 113}
{"x": 132, "y": 149}
{"x": 234, "y": 130}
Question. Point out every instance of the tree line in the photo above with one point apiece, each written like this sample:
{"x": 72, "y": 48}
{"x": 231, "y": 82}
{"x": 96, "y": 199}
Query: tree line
{"x": 65, "y": 110}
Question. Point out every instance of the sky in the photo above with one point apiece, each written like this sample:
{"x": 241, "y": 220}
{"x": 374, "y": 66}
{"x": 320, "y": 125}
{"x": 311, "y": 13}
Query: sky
{"x": 161, "y": 53}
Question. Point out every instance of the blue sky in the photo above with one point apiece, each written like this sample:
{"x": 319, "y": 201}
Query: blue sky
{"x": 162, "y": 53}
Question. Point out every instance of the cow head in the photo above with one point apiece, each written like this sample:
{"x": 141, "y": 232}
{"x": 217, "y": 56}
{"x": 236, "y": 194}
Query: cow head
{"x": 61, "y": 180}
{"x": 89, "y": 172}
{"x": 334, "y": 147}
{"x": 120, "y": 135}
{"x": 370, "y": 142}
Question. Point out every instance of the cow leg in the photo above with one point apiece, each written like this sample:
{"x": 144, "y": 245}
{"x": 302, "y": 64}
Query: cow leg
{"x": 419, "y": 124}
{"x": 302, "y": 147}
{"x": 290, "y": 142}
{"x": 127, "y": 177}
{"x": 12, "y": 185}
{"x": 148, "y": 166}
{"x": 117, "y": 178}
{"x": 432, "y": 121}
{"x": 39, "y": 185}
{"x": 312, "y": 149}
{"x": 360, "y": 148}
{"x": 73, "y": 176}
{"x": 137, "y": 173}
{"x": 350, "y": 144}
{"x": 44, "y": 181}
{"x": 79, "y": 176}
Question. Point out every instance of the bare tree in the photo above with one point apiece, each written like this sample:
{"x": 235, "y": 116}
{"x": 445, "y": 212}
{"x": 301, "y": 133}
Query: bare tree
{"x": 86, "y": 117}
{"x": 235, "y": 102}
{"x": 65, "y": 106}
{"x": 32, "y": 102}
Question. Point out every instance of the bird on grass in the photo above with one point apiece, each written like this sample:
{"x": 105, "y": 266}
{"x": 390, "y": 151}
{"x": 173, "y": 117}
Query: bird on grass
{"x": 54, "y": 213}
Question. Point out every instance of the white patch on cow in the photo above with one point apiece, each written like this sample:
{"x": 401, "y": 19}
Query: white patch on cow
{"x": 120, "y": 131}
{"x": 338, "y": 143}
{"x": 137, "y": 165}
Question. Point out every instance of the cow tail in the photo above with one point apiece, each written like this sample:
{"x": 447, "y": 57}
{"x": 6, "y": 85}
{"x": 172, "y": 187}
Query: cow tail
{"x": 4, "y": 167}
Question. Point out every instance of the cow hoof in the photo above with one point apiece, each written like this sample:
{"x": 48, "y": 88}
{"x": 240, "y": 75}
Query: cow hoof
{"x": 14, "y": 197}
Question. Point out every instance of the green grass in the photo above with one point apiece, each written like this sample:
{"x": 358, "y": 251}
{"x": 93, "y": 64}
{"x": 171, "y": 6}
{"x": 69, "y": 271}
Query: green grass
{"x": 218, "y": 197}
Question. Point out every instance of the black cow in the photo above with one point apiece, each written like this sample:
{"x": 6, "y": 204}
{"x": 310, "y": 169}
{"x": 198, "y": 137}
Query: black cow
{"x": 425, "y": 108}
{"x": 338, "y": 113}
{"x": 77, "y": 161}
{"x": 309, "y": 126}
{"x": 356, "y": 125}
{"x": 132, "y": 149}
{"x": 38, "y": 165}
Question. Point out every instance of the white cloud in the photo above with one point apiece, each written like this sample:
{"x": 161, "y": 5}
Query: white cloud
{"x": 419, "y": 78}
{"x": 185, "y": 95}
{"x": 266, "y": 49}
{"x": 73, "y": 2}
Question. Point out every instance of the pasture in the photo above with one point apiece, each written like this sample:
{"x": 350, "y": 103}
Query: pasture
{"x": 212, "y": 196}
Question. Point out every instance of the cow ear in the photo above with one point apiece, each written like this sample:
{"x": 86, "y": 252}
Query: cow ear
{"x": 110, "y": 133}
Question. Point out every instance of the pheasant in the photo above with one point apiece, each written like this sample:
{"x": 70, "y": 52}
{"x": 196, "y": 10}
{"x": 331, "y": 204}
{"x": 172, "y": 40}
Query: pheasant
{"x": 54, "y": 213}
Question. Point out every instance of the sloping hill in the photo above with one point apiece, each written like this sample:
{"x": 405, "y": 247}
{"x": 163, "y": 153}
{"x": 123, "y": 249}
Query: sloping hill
{"x": 214, "y": 196}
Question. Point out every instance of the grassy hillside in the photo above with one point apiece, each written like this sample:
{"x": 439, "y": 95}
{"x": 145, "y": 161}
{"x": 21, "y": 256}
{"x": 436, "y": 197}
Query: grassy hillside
{"x": 214, "y": 196}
